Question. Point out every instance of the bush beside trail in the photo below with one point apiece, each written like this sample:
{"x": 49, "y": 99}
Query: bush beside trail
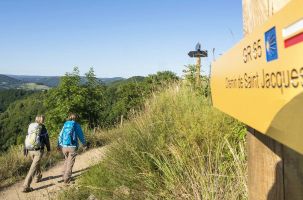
{"x": 179, "y": 147}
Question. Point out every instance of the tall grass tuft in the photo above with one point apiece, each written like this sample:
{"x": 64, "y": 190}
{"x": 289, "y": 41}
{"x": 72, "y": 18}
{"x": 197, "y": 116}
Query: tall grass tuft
{"x": 179, "y": 147}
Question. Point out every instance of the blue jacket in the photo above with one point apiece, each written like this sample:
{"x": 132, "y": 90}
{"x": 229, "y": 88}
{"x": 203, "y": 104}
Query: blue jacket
{"x": 78, "y": 134}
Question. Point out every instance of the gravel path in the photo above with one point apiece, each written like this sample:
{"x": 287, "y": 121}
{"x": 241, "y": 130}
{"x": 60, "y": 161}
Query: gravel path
{"x": 52, "y": 179}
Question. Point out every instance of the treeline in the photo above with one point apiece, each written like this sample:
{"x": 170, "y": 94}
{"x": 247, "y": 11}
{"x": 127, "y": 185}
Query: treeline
{"x": 97, "y": 105}
{"x": 14, "y": 121}
{"x": 9, "y": 96}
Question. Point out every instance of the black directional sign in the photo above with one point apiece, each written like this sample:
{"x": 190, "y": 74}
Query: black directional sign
{"x": 198, "y": 53}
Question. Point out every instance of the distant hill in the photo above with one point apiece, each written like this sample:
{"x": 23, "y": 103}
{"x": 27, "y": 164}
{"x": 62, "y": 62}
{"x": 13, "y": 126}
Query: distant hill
{"x": 53, "y": 81}
{"x": 108, "y": 81}
{"x": 124, "y": 81}
{"x": 7, "y": 82}
{"x": 50, "y": 81}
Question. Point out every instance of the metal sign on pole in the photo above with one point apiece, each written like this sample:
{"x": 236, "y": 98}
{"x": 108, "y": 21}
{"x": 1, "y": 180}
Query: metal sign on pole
{"x": 198, "y": 53}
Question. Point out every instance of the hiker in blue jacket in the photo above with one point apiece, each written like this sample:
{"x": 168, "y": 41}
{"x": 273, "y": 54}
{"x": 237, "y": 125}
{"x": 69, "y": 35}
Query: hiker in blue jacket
{"x": 68, "y": 142}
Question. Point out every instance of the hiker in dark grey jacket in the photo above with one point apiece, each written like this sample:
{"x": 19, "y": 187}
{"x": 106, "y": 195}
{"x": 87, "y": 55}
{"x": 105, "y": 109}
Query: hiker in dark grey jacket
{"x": 36, "y": 140}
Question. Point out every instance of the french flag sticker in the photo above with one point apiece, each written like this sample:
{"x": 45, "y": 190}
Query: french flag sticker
{"x": 293, "y": 34}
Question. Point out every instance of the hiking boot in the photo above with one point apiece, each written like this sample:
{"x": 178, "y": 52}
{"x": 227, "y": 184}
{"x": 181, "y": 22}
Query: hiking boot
{"x": 26, "y": 190}
{"x": 69, "y": 183}
{"x": 38, "y": 179}
{"x": 71, "y": 179}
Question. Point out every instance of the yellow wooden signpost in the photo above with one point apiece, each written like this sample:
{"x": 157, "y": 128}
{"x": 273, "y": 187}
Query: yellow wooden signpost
{"x": 260, "y": 80}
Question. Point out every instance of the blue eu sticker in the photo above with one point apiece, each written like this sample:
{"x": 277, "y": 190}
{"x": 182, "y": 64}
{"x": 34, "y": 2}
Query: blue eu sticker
{"x": 271, "y": 45}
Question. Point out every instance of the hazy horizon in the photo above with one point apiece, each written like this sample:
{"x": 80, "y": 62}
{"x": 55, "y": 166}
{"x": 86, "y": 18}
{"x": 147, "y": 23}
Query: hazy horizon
{"x": 82, "y": 75}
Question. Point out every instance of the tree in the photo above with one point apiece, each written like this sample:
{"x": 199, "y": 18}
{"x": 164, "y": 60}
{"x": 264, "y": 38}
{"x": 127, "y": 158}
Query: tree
{"x": 94, "y": 101}
{"x": 190, "y": 80}
{"x": 11, "y": 95}
{"x": 86, "y": 97}
{"x": 15, "y": 120}
{"x": 66, "y": 98}
{"x": 189, "y": 75}
{"x": 160, "y": 79}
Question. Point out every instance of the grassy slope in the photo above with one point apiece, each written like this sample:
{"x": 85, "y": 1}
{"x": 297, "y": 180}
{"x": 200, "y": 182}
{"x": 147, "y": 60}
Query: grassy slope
{"x": 34, "y": 86}
{"x": 178, "y": 148}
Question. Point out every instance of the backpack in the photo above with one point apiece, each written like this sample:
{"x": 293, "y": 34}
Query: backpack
{"x": 33, "y": 140}
{"x": 69, "y": 134}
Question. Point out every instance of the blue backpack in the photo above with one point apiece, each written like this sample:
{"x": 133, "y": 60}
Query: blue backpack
{"x": 69, "y": 134}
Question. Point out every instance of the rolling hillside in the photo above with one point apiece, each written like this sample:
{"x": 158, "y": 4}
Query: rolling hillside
{"x": 50, "y": 81}
{"x": 7, "y": 82}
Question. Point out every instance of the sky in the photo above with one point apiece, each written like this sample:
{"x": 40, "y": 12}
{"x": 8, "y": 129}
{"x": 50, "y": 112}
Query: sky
{"x": 118, "y": 38}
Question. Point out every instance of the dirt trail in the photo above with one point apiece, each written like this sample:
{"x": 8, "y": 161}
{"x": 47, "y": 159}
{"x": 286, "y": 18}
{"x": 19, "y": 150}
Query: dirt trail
{"x": 52, "y": 180}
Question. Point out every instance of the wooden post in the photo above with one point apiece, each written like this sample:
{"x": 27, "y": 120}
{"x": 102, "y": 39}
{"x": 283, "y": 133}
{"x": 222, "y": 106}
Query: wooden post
{"x": 121, "y": 121}
{"x": 198, "y": 70}
{"x": 274, "y": 171}
{"x": 265, "y": 169}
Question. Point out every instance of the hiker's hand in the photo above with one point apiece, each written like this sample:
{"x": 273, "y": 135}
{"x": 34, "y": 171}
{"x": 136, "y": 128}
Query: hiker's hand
{"x": 25, "y": 152}
{"x": 58, "y": 148}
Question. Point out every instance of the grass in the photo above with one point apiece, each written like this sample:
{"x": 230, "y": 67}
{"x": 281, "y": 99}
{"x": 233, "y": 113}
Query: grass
{"x": 179, "y": 147}
{"x": 34, "y": 86}
{"x": 14, "y": 165}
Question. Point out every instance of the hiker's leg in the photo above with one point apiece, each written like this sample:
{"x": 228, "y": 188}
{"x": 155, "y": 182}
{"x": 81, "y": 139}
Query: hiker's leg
{"x": 36, "y": 156}
{"x": 28, "y": 178}
{"x": 71, "y": 161}
{"x": 65, "y": 153}
{"x": 38, "y": 175}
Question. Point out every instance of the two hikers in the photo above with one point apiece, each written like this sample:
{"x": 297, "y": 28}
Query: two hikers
{"x": 37, "y": 138}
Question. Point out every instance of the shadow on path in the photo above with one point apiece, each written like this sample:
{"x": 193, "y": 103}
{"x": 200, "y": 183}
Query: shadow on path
{"x": 44, "y": 186}
{"x": 73, "y": 178}
{"x": 58, "y": 176}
